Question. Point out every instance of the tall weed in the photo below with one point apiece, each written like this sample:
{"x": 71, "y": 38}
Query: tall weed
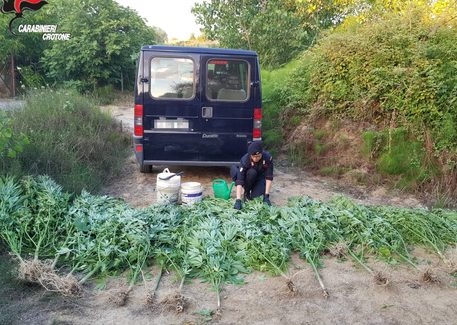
{"x": 70, "y": 139}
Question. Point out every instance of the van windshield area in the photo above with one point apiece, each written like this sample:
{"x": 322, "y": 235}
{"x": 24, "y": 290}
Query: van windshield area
{"x": 172, "y": 78}
{"x": 227, "y": 80}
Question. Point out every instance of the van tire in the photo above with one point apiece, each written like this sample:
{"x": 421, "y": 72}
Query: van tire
{"x": 146, "y": 169}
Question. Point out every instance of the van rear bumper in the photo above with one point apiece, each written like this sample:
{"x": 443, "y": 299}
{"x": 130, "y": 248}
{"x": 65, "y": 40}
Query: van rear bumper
{"x": 190, "y": 163}
{"x": 207, "y": 163}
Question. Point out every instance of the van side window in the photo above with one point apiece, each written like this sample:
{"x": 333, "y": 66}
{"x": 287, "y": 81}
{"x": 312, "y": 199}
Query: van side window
{"x": 172, "y": 78}
{"x": 227, "y": 80}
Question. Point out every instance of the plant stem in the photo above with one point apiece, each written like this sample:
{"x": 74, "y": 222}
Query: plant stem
{"x": 182, "y": 283}
{"x": 37, "y": 249}
{"x": 321, "y": 283}
{"x": 218, "y": 297}
{"x": 55, "y": 261}
{"x": 156, "y": 285}
{"x": 88, "y": 275}
{"x": 360, "y": 262}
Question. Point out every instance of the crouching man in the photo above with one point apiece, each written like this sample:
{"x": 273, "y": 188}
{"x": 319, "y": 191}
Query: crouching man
{"x": 254, "y": 176}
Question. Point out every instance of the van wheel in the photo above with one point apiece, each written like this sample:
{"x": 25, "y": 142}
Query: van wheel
{"x": 146, "y": 168}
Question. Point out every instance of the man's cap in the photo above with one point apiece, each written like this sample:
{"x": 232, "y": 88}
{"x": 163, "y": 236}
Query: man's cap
{"x": 255, "y": 148}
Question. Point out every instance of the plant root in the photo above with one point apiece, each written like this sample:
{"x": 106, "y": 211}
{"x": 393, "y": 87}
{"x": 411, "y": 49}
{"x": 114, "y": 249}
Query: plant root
{"x": 175, "y": 301}
{"x": 380, "y": 279}
{"x": 180, "y": 304}
{"x": 150, "y": 298}
{"x": 120, "y": 298}
{"x": 338, "y": 250}
{"x": 413, "y": 284}
{"x": 43, "y": 273}
{"x": 217, "y": 314}
{"x": 325, "y": 293}
{"x": 31, "y": 271}
{"x": 429, "y": 277}
{"x": 291, "y": 286}
{"x": 451, "y": 261}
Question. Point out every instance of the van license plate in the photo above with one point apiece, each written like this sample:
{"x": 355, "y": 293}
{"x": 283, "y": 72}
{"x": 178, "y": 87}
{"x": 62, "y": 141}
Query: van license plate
{"x": 171, "y": 124}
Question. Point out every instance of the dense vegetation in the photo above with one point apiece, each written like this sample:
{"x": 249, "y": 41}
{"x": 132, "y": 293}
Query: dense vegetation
{"x": 104, "y": 45}
{"x": 391, "y": 81}
{"x": 277, "y": 29}
{"x": 400, "y": 68}
{"x": 100, "y": 236}
{"x": 65, "y": 135}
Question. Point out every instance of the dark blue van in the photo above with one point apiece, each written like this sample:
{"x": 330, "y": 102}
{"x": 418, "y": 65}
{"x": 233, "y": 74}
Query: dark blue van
{"x": 195, "y": 106}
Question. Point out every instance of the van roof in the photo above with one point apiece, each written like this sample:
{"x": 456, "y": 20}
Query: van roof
{"x": 202, "y": 50}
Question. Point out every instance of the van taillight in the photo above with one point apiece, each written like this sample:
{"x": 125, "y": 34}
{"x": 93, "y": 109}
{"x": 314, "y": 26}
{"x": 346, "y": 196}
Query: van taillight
{"x": 257, "y": 132}
{"x": 257, "y": 113}
{"x": 138, "y": 121}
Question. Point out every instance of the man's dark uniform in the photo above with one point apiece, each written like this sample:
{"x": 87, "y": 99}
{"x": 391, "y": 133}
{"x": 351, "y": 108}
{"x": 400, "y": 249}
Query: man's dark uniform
{"x": 253, "y": 176}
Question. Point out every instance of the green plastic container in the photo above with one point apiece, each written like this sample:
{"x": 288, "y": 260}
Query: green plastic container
{"x": 221, "y": 190}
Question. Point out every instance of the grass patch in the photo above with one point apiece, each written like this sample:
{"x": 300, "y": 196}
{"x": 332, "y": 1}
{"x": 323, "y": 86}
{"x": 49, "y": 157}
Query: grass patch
{"x": 320, "y": 134}
{"x": 106, "y": 95}
{"x": 321, "y": 148}
{"x": 397, "y": 153}
{"x": 297, "y": 155}
{"x": 402, "y": 155}
{"x": 70, "y": 139}
{"x": 332, "y": 171}
{"x": 273, "y": 140}
{"x": 373, "y": 142}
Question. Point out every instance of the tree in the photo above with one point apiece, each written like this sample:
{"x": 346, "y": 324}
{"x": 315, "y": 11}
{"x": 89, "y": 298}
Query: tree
{"x": 276, "y": 29}
{"x": 24, "y": 49}
{"x": 105, "y": 41}
{"x": 161, "y": 35}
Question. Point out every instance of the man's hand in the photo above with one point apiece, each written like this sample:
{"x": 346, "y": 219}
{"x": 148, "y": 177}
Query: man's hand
{"x": 237, "y": 205}
{"x": 266, "y": 199}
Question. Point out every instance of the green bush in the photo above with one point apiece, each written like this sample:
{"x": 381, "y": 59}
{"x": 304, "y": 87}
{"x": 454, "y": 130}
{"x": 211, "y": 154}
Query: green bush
{"x": 396, "y": 152}
{"x": 400, "y": 67}
{"x": 395, "y": 70}
{"x": 275, "y": 97}
{"x": 31, "y": 79}
{"x": 70, "y": 140}
{"x": 11, "y": 143}
{"x": 105, "y": 95}
{"x": 373, "y": 143}
{"x": 321, "y": 148}
{"x": 273, "y": 139}
{"x": 401, "y": 155}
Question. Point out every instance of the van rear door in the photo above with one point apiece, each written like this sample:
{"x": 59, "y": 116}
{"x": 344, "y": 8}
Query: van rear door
{"x": 227, "y": 106}
{"x": 172, "y": 123}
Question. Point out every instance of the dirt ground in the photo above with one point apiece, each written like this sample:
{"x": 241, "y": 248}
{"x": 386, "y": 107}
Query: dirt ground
{"x": 263, "y": 299}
